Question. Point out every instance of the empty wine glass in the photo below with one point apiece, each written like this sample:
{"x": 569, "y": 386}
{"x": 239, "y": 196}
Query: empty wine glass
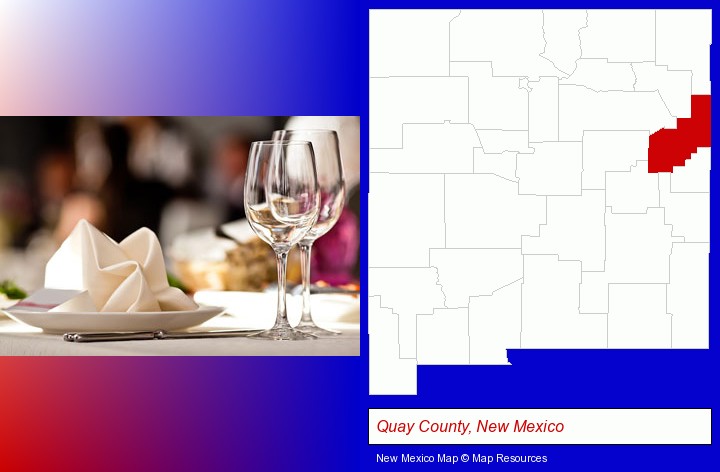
{"x": 331, "y": 181}
{"x": 281, "y": 203}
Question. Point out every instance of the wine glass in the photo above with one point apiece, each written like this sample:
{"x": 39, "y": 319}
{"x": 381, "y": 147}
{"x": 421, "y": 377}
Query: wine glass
{"x": 331, "y": 181}
{"x": 281, "y": 202}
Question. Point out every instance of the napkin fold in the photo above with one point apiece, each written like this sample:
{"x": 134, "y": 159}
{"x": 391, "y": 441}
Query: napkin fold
{"x": 128, "y": 276}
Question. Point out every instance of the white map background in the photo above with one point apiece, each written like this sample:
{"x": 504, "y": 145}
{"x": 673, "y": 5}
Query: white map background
{"x": 510, "y": 204}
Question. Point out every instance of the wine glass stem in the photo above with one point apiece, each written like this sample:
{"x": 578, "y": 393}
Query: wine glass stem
{"x": 305, "y": 257}
{"x": 281, "y": 321}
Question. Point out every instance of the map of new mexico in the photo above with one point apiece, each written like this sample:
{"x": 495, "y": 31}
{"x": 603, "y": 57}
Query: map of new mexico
{"x": 538, "y": 179}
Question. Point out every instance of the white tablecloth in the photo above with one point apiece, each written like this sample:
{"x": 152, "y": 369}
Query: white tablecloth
{"x": 20, "y": 340}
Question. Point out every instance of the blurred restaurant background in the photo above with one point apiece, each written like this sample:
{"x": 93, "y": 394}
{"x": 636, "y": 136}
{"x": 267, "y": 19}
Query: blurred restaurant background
{"x": 182, "y": 177}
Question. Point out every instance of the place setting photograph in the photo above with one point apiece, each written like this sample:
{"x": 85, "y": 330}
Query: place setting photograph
{"x": 179, "y": 236}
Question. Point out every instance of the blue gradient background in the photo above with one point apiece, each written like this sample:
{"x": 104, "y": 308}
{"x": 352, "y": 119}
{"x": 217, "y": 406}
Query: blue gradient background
{"x": 274, "y": 414}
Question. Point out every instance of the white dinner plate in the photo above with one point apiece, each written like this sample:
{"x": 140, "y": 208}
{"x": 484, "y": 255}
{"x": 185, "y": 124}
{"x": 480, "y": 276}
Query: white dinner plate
{"x": 258, "y": 309}
{"x": 65, "y": 322}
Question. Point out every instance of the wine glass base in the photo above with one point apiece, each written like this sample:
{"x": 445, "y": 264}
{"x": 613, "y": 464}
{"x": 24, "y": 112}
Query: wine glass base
{"x": 312, "y": 328}
{"x": 282, "y": 334}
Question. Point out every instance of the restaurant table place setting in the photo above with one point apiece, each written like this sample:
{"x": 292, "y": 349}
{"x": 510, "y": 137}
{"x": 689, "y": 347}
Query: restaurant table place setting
{"x": 107, "y": 297}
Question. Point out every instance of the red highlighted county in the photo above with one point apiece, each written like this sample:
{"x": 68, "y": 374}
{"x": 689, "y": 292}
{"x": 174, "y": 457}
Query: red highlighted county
{"x": 671, "y": 147}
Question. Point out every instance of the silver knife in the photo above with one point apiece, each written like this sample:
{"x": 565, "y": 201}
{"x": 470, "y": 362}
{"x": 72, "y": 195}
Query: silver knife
{"x": 159, "y": 334}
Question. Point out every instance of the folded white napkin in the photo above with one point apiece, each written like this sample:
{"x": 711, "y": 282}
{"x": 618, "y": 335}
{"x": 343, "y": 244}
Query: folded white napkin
{"x": 125, "y": 277}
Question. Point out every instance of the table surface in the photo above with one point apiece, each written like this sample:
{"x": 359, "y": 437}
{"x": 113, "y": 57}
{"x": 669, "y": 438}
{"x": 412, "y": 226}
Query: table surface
{"x": 20, "y": 340}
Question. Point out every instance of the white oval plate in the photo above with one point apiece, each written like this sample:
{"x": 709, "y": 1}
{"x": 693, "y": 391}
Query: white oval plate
{"x": 66, "y": 322}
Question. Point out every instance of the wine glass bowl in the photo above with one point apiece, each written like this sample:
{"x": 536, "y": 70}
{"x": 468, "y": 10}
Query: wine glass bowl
{"x": 330, "y": 175}
{"x": 282, "y": 204}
